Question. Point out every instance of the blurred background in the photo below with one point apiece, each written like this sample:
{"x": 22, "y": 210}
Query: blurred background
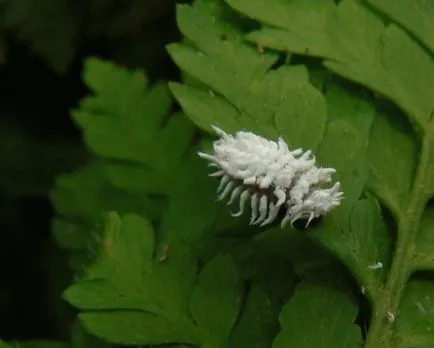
{"x": 42, "y": 47}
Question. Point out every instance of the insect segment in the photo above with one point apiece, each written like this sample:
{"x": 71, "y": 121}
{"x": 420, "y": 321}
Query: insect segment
{"x": 272, "y": 177}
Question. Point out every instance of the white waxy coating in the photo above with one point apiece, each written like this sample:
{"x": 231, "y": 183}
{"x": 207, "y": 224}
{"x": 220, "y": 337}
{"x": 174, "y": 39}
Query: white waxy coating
{"x": 273, "y": 177}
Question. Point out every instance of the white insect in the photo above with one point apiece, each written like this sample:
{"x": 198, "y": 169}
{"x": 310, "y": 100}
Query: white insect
{"x": 420, "y": 307}
{"x": 376, "y": 266}
{"x": 272, "y": 177}
{"x": 391, "y": 316}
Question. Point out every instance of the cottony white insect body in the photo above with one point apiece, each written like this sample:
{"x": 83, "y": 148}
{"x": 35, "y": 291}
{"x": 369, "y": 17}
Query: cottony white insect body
{"x": 272, "y": 177}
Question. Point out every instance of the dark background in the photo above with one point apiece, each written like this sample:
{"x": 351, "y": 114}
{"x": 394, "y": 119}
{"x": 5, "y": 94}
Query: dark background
{"x": 38, "y": 141}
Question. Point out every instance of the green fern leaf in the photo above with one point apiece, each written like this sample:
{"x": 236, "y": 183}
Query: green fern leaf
{"x": 357, "y": 43}
{"x": 127, "y": 124}
{"x": 392, "y": 144}
{"x": 415, "y": 16}
{"x": 130, "y": 297}
{"x": 79, "y": 199}
{"x": 415, "y": 323}
{"x": 258, "y": 323}
{"x": 322, "y": 306}
{"x": 243, "y": 91}
{"x": 423, "y": 254}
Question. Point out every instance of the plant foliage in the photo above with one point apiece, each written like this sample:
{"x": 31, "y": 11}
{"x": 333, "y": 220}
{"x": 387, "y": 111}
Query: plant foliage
{"x": 168, "y": 265}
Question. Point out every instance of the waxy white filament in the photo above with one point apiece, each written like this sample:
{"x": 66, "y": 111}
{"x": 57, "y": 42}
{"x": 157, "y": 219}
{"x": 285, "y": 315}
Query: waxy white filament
{"x": 272, "y": 177}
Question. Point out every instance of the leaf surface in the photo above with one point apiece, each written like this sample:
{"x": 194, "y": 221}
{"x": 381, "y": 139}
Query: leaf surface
{"x": 423, "y": 253}
{"x": 129, "y": 296}
{"x": 355, "y": 231}
{"x": 216, "y": 300}
{"x": 359, "y": 44}
{"x": 82, "y": 339}
{"x": 282, "y": 22}
{"x": 320, "y": 314}
{"x": 192, "y": 211}
{"x": 126, "y": 122}
{"x": 345, "y": 141}
{"x": 415, "y": 16}
{"x": 243, "y": 92}
{"x": 301, "y": 118}
{"x": 125, "y": 280}
{"x": 259, "y": 323}
{"x": 79, "y": 199}
{"x": 415, "y": 323}
{"x": 392, "y": 157}
{"x": 364, "y": 246}
{"x": 356, "y": 45}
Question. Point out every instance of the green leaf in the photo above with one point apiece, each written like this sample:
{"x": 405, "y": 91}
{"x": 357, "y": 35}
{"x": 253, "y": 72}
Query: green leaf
{"x": 128, "y": 124}
{"x": 347, "y": 231}
{"x": 291, "y": 246}
{"x": 415, "y": 16}
{"x": 49, "y": 28}
{"x": 128, "y": 327}
{"x": 282, "y": 22}
{"x": 392, "y": 145}
{"x": 415, "y": 322}
{"x": 423, "y": 253}
{"x": 270, "y": 260}
{"x": 80, "y": 338}
{"x": 227, "y": 65}
{"x": 407, "y": 88}
{"x": 206, "y": 109}
{"x": 216, "y": 300}
{"x": 370, "y": 244}
{"x": 223, "y": 60}
{"x": 192, "y": 210}
{"x": 320, "y": 314}
{"x": 364, "y": 247}
{"x": 87, "y": 192}
{"x": 126, "y": 280}
{"x": 130, "y": 296}
{"x": 301, "y": 118}
{"x": 125, "y": 258}
{"x": 258, "y": 324}
{"x": 356, "y": 45}
{"x": 79, "y": 199}
{"x": 243, "y": 91}
{"x": 345, "y": 141}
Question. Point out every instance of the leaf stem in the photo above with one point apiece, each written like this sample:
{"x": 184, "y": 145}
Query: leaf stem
{"x": 385, "y": 309}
